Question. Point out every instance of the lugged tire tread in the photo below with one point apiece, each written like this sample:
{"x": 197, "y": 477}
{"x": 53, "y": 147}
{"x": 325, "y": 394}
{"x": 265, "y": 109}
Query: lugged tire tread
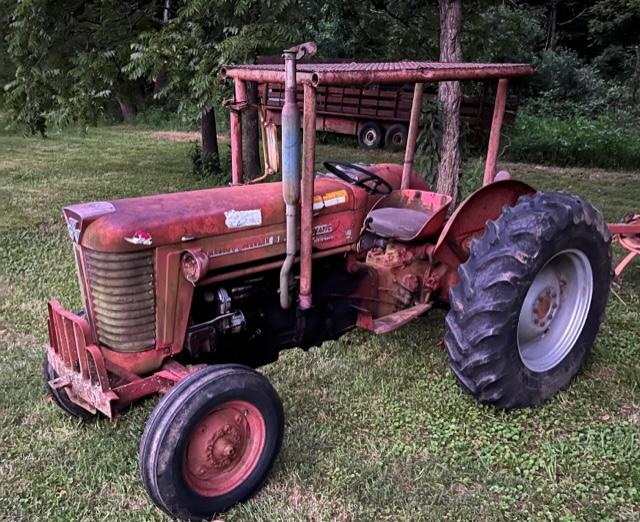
{"x": 473, "y": 342}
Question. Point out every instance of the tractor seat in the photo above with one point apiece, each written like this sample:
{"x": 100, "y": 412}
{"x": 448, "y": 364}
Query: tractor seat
{"x": 402, "y": 224}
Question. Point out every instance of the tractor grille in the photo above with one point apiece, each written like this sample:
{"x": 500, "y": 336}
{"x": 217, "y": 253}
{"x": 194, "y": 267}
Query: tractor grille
{"x": 124, "y": 303}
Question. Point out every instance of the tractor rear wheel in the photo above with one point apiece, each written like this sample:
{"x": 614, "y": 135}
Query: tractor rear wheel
{"x": 60, "y": 396}
{"x": 211, "y": 441}
{"x": 530, "y": 300}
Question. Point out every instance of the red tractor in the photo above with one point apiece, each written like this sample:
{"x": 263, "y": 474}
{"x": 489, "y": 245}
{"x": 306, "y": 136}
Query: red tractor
{"x": 184, "y": 294}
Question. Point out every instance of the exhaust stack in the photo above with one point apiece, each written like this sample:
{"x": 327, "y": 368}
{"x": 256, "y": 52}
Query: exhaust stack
{"x": 291, "y": 162}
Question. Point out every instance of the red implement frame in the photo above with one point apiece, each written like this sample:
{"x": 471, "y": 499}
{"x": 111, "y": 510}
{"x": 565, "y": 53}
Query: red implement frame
{"x": 628, "y": 236}
{"x": 312, "y": 75}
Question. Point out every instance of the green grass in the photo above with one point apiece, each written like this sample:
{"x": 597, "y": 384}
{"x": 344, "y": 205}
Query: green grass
{"x": 376, "y": 429}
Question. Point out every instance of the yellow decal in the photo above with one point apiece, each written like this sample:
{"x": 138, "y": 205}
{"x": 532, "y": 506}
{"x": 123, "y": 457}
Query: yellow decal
{"x": 330, "y": 199}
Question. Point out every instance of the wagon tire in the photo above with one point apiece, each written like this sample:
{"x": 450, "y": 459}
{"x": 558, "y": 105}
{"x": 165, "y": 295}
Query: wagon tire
{"x": 211, "y": 441}
{"x": 60, "y": 397}
{"x": 395, "y": 138}
{"x": 370, "y": 135}
{"x": 530, "y": 300}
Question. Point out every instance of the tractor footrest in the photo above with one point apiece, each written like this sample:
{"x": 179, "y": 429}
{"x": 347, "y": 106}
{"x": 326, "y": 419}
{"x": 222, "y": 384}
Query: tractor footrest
{"x": 391, "y": 322}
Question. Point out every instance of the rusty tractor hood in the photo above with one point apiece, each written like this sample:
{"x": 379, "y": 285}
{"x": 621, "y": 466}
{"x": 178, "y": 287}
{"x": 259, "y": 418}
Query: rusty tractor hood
{"x": 132, "y": 224}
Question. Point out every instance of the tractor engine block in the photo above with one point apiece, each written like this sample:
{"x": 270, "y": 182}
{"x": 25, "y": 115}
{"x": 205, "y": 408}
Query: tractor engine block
{"x": 401, "y": 270}
{"x": 242, "y": 320}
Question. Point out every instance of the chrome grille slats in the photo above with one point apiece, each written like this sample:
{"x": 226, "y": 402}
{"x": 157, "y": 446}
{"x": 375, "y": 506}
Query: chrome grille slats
{"x": 123, "y": 295}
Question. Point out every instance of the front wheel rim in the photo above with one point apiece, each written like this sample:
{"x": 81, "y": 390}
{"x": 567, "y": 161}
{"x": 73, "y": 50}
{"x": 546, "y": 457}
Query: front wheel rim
{"x": 224, "y": 448}
{"x": 555, "y": 310}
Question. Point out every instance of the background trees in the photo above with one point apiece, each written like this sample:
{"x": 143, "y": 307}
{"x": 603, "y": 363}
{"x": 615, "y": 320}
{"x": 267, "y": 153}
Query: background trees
{"x": 80, "y": 61}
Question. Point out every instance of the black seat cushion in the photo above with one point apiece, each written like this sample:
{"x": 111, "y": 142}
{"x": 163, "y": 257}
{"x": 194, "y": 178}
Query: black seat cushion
{"x": 397, "y": 223}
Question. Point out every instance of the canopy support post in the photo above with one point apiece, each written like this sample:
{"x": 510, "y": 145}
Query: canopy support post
{"x": 237, "y": 177}
{"x": 496, "y": 126}
{"x": 414, "y": 124}
{"x": 306, "y": 196}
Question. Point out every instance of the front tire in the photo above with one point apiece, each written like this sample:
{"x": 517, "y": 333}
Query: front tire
{"x": 530, "y": 300}
{"x": 211, "y": 442}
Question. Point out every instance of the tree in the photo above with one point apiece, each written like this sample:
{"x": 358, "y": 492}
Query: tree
{"x": 449, "y": 95}
{"x": 203, "y": 36}
{"x": 68, "y": 58}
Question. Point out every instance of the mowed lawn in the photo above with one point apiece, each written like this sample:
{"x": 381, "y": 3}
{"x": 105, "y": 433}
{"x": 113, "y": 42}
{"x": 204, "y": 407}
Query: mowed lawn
{"x": 376, "y": 427}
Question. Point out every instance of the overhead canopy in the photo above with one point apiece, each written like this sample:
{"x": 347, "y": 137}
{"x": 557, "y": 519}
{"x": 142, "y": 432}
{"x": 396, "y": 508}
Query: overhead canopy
{"x": 379, "y": 72}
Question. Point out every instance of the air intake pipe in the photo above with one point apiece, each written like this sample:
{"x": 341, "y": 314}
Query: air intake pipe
{"x": 291, "y": 162}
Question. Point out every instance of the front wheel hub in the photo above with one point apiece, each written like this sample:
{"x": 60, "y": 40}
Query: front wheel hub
{"x": 223, "y": 448}
{"x": 555, "y": 310}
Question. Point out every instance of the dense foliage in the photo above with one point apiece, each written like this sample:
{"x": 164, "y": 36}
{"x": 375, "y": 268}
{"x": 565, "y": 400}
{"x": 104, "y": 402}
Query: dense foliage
{"x": 78, "y": 61}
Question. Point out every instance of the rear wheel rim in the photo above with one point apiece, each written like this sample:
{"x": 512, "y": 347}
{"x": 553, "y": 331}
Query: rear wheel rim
{"x": 555, "y": 310}
{"x": 224, "y": 448}
{"x": 370, "y": 137}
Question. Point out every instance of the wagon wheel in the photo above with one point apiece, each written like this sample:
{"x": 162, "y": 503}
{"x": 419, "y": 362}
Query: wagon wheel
{"x": 370, "y": 135}
{"x": 530, "y": 300}
{"x": 396, "y": 137}
{"x": 211, "y": 441}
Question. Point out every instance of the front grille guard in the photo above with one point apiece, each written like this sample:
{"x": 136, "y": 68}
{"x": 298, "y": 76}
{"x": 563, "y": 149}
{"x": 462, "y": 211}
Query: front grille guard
{"x": 91, "y": 381}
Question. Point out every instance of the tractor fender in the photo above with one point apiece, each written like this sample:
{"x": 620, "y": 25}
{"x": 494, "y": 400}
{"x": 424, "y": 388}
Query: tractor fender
{"x": 468, "y": 220}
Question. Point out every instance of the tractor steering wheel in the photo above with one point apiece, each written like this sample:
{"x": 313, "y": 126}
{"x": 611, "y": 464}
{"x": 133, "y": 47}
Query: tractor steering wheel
{"x": 368, "y": 181}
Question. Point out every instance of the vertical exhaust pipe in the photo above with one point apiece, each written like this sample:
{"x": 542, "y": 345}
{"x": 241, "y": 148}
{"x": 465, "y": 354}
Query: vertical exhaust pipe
{"x": 291, "y": 162}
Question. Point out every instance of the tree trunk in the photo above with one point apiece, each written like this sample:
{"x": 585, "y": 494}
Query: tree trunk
{"x": 635, "y": 80}
{"x": 552, "y": 26}
{"x": 161, "y": 81}
{"x": 127, "y": 107}
{"x": 251, "y": 129}
{"x": 449, "y": 95}
{"x": 209, "y": 134}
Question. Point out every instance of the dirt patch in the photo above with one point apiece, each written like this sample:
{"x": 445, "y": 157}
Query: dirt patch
{"x": 183, "y": 136}
{"x": 604, "y": 373}
{"x": 631, "y": 412}
{"x": 176, "y": 135}
{"x": 463, "y": 489}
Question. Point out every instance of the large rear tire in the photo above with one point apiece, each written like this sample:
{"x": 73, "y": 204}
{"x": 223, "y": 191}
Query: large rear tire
{"x": 211, "y": 442}
{"x": 530, "y": 300}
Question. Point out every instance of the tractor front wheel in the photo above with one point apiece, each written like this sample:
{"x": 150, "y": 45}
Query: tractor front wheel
{"x": 211, "y": 441}
{"x": 530, "y": 300}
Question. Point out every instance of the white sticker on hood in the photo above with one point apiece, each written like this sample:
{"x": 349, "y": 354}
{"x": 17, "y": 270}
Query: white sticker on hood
{"x": 243, "y": 218}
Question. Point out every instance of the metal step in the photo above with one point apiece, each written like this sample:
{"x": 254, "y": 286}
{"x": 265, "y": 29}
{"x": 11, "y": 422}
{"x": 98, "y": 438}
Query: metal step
{"x": 391, "y": 322}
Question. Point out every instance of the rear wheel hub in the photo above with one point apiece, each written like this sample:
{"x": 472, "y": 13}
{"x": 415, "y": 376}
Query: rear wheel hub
{"x": 555, "y": 310}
